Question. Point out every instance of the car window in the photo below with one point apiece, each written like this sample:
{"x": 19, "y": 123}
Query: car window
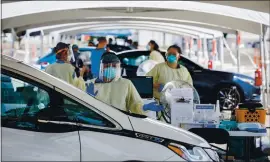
{"x": 84, "y": 115}
{"x": 134, "y": 58}
{"x": 20, "y": 102}
{"x": 23, "y": 103}
{"x": 188, "y": 64}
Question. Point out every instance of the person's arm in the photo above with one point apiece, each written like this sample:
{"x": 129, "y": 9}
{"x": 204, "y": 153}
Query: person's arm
{"x": 154, "y": 73}
{"x": 134, "y": 102}
{"x": 188, "y": 76}
{"x": 79, "y": 82}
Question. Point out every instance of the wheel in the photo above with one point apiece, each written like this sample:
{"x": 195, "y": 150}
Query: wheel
{"x": 229, "y": 97}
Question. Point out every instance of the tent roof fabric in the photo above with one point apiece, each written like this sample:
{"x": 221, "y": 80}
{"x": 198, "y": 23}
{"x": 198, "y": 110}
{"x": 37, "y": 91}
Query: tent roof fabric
{"x": 198, "y": 32}
{"x": 13, "y": 15}
{"x": 107, "y": 32}
{"x": 72, "y": 27}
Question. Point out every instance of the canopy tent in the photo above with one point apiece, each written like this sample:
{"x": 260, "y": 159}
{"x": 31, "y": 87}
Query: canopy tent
{"x": 130, "y": 25}
{"x": 262, "y": 6}
{"x": 251, "y": 5}
{"x": 75, "y": 32}
{"x": 116, "y": 33}
{"x": 57, "y": 11}
{"x": 189, "y": 29}
{"x": 50, "y": 29}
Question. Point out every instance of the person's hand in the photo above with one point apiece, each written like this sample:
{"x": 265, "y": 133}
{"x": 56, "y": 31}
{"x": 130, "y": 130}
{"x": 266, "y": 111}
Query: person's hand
{"x": 83, "y": 70}
{"x": 160, "y": 87}
{"x": 90, "y": 89}
{"x": 153, "y": 106}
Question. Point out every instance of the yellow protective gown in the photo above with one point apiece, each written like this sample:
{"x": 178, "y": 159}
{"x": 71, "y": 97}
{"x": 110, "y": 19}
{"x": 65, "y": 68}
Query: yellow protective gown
{"x": 156, "y": 56}
{"x": 121, "y": 94}
{"x": 163, "y": 74}
{"x": 65, "y": 71}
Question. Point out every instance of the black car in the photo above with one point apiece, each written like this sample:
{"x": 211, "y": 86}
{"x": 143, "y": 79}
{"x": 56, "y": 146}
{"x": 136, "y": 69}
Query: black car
{"x": 211, "y": 85}
{"x": 118, "y": 48}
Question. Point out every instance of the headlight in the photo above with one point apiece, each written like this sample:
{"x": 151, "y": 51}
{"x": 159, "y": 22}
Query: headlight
{"x": 194, "y": 153}
{"x": 213, "y": 154}
{"x": 247, "y": 80}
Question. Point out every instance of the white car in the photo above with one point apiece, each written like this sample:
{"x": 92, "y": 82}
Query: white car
{"x": 46, "y": 119}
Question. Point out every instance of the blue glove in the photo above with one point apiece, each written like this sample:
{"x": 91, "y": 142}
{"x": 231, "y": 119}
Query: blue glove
{"x": 160, "y": 88}
{"x": 90, "y": 89}
{"x": 153, "y": 106}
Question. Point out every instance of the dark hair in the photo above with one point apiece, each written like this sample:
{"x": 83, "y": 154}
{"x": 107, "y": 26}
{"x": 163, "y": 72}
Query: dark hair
{"x": 156, "y": 47}
{"x": 176, "y": 47}
{"x": 129, "y": 41}
{"x": 59, "y": 46}
{"x": 135, "y": 44}
{"x": 107, "y": 53}
{"x": 108, "y": 57}
{"x": 91, "y": 42}
{"x": 100, "y": 39}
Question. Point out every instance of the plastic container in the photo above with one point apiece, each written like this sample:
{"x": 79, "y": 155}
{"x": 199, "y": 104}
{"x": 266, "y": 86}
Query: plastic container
{"x": 250, "y": 112}
{"x": 243, "y": 115}
{"x": 228, "y": 125}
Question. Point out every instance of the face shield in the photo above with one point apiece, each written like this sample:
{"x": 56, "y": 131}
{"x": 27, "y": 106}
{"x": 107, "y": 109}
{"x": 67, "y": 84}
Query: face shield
{"x": 172, "y": 57}
{"x": 110, "y": 68}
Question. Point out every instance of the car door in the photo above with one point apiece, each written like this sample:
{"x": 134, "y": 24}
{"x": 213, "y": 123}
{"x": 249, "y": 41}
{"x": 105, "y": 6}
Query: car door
{"x": 92, "y": 125}
{"x": 27, "y": 135}
{"x": 103, "y": 139}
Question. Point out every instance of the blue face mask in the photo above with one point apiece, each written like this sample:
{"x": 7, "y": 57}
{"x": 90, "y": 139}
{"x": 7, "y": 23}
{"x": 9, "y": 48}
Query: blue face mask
{"x": 171, "y": 58}
{"x": 109, "y": 73}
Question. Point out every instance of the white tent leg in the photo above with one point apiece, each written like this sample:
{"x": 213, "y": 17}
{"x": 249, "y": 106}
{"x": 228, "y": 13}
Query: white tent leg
{"x": 41, "y": 44}
{"x": 262, "y": 60}
{"x": 205, "y": 51}
{"x": 27, "y": 53}
{"x": 13, "y": 42}
{"x": 237, "y": 53}
{"x": 221, "y": 52}
{"x": 266, "y": 62}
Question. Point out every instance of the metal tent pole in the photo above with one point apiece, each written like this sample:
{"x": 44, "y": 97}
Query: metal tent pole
{"x": 238, "y": 51}
{"x": 266, "y": 62}
{"x": 262, "y": 61}
{"x": 41, "y": 44}
{"x": 13, "y": 42}
{"x": 221, "y": 51}
{"x": 205, "y": 51}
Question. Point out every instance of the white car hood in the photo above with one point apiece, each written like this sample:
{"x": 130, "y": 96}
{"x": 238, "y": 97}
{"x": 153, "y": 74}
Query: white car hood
{"x": 157, "y": 128}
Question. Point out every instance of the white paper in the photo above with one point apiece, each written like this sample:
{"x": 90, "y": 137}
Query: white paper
{"x": 181, "y": 113}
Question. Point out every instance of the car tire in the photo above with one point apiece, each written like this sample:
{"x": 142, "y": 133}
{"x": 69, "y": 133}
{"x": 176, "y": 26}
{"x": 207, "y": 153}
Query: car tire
{"x": 229, "y": 97}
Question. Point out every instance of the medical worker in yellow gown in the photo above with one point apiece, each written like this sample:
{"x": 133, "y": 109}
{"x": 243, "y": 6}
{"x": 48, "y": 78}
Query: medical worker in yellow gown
{"x": 114, "y": 90}
{"x": 63, "y": 70}
{"x": 169, "y": 71}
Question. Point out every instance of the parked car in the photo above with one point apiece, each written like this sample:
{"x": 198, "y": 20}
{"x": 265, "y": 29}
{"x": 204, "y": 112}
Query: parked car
{"x": 211, "y": 85}
{"x": 55, "y": 121}
{"x": 118, "y": 48}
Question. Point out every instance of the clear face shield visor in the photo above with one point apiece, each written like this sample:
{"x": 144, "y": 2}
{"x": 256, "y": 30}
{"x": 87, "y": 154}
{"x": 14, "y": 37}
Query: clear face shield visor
{"x": 109, "y": 71}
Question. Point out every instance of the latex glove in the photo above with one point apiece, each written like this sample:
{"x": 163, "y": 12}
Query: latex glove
{"x": 90, "y": 89}
{"x": 153, "y": 106}
{"x": 160, "y": 88}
